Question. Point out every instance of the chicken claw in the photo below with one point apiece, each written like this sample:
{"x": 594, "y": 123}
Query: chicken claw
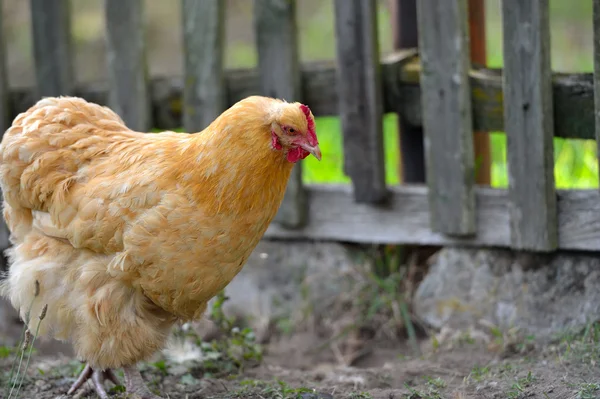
{"x": 98, "y": 377}
{"x": 135, "y": 384}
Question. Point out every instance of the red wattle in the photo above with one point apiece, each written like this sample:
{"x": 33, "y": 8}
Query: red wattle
{"x": 275, "y": 141}
{"x": 296, "y": 154}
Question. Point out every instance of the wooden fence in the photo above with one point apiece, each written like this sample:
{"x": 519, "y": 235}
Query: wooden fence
{"x": 434, "y": 86}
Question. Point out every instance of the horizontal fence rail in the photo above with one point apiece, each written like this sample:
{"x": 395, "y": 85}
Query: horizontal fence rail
{"x": 400, "y": 74}
{"x": 433, "y": 87}
{"x": 405, "y": 220}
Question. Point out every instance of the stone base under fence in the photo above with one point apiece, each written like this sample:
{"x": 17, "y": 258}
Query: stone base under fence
{"x": 540, "y": 294}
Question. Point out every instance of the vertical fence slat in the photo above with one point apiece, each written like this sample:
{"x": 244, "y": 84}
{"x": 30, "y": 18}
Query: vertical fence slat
{"x": 5, "y": 122}
{"x": 204, "y": 92}
{"x": 127, "y": 69}
{"x": 51, "y": 28}
{"x": 279, "y": 71}
{"x": 360, "y": 98}
{"x": 529, "y": 125}
{"x": 446, "y": 102}
{"x": 597, "y": 72}
{"x": 5, "y": 119}
{"x": 406, "y": 35}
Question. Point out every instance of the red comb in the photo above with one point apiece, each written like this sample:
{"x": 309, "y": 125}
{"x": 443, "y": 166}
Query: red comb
{"x": 312, "y": 134}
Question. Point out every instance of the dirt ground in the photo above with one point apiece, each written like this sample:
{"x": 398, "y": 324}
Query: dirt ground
{"x": 297, "y": 366}
{"x": 221, "y": 357}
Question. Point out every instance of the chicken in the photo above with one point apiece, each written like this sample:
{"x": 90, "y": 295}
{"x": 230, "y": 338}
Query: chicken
{"x": 126, "y": 233}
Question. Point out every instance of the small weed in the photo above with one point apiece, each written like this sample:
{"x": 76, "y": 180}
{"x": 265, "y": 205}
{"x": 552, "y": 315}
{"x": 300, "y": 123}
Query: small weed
{"x": 431, "y": 393}
{"x": 435, "y": 383}
{"x": 515, "y": 391}
{"x": 518, "y": 388}
{"x": 161, "y": 366}
{"x": 508, "y": 369}
{"x": 234, "y": 349}
{"x": 6, "y": 351}
{"x": 435, "y": 343}
{"x": 528, "y": 379}
{"x": 117, "y": 389}
{"x": 388, "y": 290}
{"x": 237, "y": 348}
{"x": 588, "y": 391}
{"x": 466, "y": 338}
{"x": 479, "y": 373}
{"x": 528, "y": 341}
{"x": 583, "y": 344}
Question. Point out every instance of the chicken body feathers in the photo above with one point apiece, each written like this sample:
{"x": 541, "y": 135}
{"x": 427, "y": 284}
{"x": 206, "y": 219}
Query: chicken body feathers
{"x": 129, "y": 232}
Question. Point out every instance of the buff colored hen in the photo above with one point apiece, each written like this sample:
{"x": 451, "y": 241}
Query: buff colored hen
{"x": 128, "y": 233}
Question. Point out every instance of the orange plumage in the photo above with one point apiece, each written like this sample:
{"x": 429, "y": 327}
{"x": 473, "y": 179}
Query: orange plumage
{"x": 128, "y": 232}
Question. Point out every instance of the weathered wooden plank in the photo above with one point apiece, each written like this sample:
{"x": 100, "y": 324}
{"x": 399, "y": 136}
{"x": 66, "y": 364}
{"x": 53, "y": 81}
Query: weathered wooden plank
{"x": 597, "y": 71}
{"x": 5, "y": 122}
{"x": 529, "y": 124}
{"x": 127, "y": 72}
{"x": 203, "y": 46}
{"x": 405, "y": 220}
{"x": 360, "y": 100}
{"x": 573, "y": 95}
{"x": 5, "y": 104}
{"x": 447, "y": 119}
{"x": 51, "y": 28}
{"x": 279, "y": 77}
{"x": 411, "y": 138}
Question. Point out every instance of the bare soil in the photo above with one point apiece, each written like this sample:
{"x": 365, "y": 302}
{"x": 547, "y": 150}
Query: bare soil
{"x": 296, "y": 366}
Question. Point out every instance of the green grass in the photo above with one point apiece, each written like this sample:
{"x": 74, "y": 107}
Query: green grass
{"x": 575, "y": 160}
{"x": 330, "y": 169}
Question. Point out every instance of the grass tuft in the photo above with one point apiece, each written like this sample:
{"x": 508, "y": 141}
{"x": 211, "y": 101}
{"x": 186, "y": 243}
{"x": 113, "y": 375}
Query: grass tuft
{"x": 22, "y": 346}
{"x": 37, "y": 330}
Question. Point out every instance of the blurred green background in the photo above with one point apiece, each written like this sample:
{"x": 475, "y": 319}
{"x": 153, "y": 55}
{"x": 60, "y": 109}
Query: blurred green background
{"x": 572, "y": 51}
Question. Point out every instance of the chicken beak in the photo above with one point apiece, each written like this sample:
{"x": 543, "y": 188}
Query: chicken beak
{"x": 315, "y": 151}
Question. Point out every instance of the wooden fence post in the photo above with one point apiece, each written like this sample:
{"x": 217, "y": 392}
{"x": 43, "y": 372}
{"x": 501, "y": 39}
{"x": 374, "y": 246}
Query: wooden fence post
{"x": 406, "y": 36}
{"x": 529, "y": 124}
{"x": 597, "y": 74}
{"x": 360, "y": 101}
{"x": 127, "y": 71}
{"x": 204, "y": 93}
{"x": 447, "y": 115}
{"x": 51, "y": 24}
{"x": 5, "y": 122}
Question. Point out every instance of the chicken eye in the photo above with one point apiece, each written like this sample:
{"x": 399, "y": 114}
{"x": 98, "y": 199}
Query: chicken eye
{"x": 291, "y": 130}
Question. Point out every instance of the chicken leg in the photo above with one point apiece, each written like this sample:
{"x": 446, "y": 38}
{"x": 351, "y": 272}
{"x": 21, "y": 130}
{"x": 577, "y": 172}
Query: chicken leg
{"x": 98, "y": 377}
{"x": 135, "y": 384}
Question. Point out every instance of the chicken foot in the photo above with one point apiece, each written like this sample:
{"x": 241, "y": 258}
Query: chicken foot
{"x": 98, "y": 377}
{"x": 135, "y": 384}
